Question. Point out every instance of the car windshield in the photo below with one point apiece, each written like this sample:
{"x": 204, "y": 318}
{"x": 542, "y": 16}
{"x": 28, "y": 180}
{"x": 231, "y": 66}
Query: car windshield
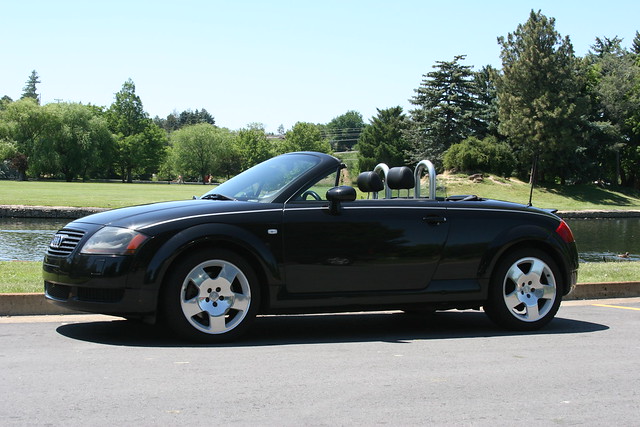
{"x": 265, "y": 181}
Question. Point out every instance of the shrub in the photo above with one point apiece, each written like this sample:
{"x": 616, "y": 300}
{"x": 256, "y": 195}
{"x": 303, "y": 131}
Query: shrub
{"x": 474, "y": 155}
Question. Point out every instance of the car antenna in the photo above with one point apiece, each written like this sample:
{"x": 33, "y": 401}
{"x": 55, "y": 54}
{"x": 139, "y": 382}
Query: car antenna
{"x": 534, "y": 173}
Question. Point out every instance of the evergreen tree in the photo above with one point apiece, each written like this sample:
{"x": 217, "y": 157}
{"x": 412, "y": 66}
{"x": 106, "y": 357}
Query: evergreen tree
{"x": 487, "y": 97}
{"x": 635, "y": 46}
{"x": 446, "y": 110}
{"x": 140, "y": 143}
{"x": 540, "y": 100}
{"x": 30, "y": 90}
{"x": 383, "y": 140}
{"x": 614, "y": 86}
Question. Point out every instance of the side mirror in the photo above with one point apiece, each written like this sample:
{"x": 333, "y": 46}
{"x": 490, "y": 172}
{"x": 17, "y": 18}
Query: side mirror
{"x": 335, "y": 195}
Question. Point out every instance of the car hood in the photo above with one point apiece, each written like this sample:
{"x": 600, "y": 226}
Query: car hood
{"x": 145, "y": 216}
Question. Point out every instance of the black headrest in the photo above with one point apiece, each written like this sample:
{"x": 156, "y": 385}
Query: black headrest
{"x": 400, "y": 178}
{"x": 370, "y": 182}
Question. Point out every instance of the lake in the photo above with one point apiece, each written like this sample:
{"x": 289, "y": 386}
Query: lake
{"x": 26, "y": 239}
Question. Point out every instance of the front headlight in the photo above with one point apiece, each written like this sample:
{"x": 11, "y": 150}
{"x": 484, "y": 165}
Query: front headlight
{"x": 114, "y": 241}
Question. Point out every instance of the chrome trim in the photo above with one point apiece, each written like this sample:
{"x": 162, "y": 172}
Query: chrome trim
{"x": 209, "y": 214}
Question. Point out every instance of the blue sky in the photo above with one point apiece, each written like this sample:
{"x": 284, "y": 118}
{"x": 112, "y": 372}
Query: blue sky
{"x": 274, "y": 62}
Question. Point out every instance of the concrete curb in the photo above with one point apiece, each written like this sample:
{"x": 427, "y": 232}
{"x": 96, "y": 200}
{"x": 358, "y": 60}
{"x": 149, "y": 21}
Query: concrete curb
{"x": 36, "y": 304}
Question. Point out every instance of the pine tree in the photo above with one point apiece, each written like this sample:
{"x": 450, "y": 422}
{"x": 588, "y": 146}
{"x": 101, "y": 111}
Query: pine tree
{"x": 29, "y": 90}
{"x": 383, "y": 140}
{"x": 446, "y": 110}
{"x": 635, "y": 46}
{"x": 540, "y": 103}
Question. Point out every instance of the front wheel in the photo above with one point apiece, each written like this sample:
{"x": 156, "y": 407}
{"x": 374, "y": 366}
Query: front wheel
{"x": 525, "y": 291}
{"x": 211, "y": 296}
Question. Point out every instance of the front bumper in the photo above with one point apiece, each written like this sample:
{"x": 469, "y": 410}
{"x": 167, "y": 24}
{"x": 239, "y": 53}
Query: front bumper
{"x": 96, "y": 284}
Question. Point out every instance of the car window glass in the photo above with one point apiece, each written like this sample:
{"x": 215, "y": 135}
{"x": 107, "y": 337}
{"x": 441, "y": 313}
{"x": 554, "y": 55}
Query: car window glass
{"x": 262, "y": 183}
{"x": 318, "y": 190}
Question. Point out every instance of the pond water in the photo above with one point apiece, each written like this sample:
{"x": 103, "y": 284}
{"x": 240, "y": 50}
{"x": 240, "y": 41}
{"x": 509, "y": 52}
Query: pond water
{"x": 26, "y": 239}
{"x": 606, "y": 239}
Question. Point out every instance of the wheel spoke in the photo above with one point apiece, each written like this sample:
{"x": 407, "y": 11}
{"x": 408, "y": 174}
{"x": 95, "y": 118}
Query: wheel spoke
{"x": 532, "y": 312}
{"x": 191, "y": 307}
{"x": 537, "y": 268}
{"x": 241, "y": 302}
{"x": 512, "y": 300}
{"x": 198, "y": 277}
{"x": 514, "y": 273}
{"x": 548, "y": 292}
{"x": 228, "y": 274}
{"x": 217, "y": 323}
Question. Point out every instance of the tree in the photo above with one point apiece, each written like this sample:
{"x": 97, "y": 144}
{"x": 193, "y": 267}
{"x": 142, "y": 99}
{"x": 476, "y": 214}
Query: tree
{"x": 614, "y": 86}
{"x": 487, "y": 99}
{"x": 4, "y": 101}
{"x": 305, "y": 137}
{"x": 540, "y": 99}
{"x": 140, "y": 143}
{"x": 635, "y": 47}
{"x": 254, "y": 145}
{"x": 446, "y": 110}
{"x": 76, "y": 142}
{"x": 24, "y": 121}
{"x": 30, "y": 90}
{"x": 343, "y": 131}
{"x": 383, "y": 140}
{"x": 199, "y": 150}
{"x": 175, "y": 120}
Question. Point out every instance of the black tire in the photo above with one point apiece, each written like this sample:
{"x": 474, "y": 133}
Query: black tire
{"x": 211, "y": 296}
{"x": 525, "y": 291}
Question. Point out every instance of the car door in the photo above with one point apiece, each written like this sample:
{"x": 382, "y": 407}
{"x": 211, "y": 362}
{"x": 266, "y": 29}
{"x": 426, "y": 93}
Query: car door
{"x": 369, "y": 245}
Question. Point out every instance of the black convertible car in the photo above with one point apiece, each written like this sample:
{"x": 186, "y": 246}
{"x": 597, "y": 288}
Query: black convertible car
{"x": 286, "y": 237}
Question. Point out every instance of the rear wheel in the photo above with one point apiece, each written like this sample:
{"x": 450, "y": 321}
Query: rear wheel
{"x": 525, "y": 291}
{"x": 211, "y": 296}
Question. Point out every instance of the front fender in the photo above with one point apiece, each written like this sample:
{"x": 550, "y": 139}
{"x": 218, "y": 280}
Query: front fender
{"x": 222, "y": 234}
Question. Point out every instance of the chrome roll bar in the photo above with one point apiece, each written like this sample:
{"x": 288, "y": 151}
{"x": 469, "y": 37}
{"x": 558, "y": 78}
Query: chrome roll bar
{"x": 425, "y": 164}
{"x": 385, "y": 171}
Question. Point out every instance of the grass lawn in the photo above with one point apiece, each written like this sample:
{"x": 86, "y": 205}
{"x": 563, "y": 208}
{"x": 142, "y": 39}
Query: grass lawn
{"x": 114, "y": 195}
{"x": 26, "y": 276}
{"x": 100, "y": 195}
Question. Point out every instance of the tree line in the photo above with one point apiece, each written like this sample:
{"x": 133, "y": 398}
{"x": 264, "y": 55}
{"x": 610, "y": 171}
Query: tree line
{"x": 546, "y": 114}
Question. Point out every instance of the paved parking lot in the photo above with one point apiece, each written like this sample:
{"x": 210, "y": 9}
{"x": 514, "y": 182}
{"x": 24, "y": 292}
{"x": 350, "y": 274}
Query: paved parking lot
{"x": 362, "y": 369}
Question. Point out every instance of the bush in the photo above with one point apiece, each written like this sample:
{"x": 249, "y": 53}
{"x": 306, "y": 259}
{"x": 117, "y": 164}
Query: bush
{"x": 474, "y": 155}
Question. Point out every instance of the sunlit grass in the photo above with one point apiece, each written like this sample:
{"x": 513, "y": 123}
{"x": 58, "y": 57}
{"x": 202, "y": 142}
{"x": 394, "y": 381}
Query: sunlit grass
{"x": 105, "y": 195}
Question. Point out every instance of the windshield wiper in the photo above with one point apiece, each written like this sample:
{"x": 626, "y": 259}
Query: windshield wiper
{"x": 216, "y": 196}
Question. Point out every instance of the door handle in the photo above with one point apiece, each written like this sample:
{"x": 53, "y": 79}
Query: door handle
{"x": 434, "y": 220}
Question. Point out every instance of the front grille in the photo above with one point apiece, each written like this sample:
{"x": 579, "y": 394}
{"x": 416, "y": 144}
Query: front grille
{"x": 57, "y": 291}
{"x": 64, "y": 242}
{"x": 100, "y": 294}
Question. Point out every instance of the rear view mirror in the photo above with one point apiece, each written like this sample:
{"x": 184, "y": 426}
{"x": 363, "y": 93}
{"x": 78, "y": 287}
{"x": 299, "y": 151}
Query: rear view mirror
{"x": 335, "y": 195}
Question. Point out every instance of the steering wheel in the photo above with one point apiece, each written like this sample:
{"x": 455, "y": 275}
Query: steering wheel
{"x": 310, "y": 193}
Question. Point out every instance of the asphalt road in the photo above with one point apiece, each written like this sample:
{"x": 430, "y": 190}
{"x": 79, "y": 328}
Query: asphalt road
{"x": 455, "y": 368}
